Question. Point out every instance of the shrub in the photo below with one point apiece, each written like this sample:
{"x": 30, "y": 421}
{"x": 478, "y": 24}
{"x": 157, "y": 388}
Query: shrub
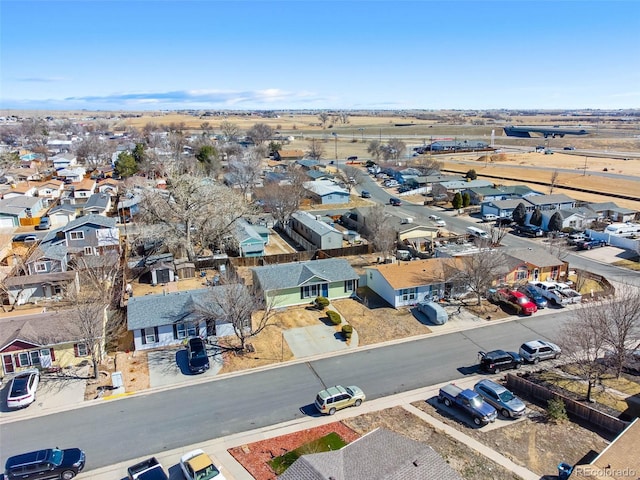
{"x": 347, "y": 331}
{"x": 556, "y": 410}
{"x": 334, "y": 317}
{"x": 321, "y": 302}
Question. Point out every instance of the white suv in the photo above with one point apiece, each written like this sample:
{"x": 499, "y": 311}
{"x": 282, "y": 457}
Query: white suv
{"x": 537, "y": 350}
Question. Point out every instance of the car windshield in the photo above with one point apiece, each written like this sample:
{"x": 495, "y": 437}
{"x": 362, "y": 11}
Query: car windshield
{"x": 350, "y": 391}
{"x": 19, "y": 386}
{"x": 527, "y": 348}
{"x": 523, "y": 300}
{"x": 199, "y": 354}
{"x": 475, "y": 402}
{"x": 205, "y": 474}
{"x": 506, "y": 396}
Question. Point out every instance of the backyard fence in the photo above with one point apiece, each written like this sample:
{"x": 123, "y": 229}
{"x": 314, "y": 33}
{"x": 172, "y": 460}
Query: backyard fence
{"x": 541, "y": 395}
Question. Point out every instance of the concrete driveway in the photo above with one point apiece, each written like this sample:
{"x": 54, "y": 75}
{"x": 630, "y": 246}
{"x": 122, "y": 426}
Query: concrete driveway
{"x": 317, "y": 339}
{"x": 171, "y": 366}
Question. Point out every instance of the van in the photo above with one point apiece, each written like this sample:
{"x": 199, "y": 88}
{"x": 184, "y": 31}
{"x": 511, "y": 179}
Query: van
{"x": 489, "y": 217}
{"x": 477, "y": 233}
{"x": 434, "y": 312}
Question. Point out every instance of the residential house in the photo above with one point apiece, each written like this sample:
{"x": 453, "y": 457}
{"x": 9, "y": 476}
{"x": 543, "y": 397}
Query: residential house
{"x": 72, "y": 175}
{"x": 503, "y": 208}
{"x": 50, "y": 190}
{"x": 24, "y": 188}
{"x": 24, "y": 174}
{"x": 55, "y": 145}
{"x": 300, "y": 283}
{"x": 62, "y": 214}
{"x": 479, "y": 195}
{"x": 19, "y": 210}
{"x": 170, "y": 318}
{"x": 23, "y": 289}
{"x": 249, "y": 241}
{"x": 404, "y": 284}
{"x": 577, "y": 218}
{"x": 83, "y": 189}
{"x": 315, "y": 233}
{"x": 288, "y": 155}
{"x": 419, "y": 238}
{"x": 533, "y": 265}
{"x": 545, "y": 203}
{"x": 88, "y": 235}
{"x": 380, "y": 454}
{"x": 614, "y": 212}
{"x": 326, "y": 192}
{"x": 97, "y": 204}
{"x": 64, "y": 161}
{"x": 44, "y": 339}
{"x": 556, "y": 201}
{"x": 454, "y": 186}
{"x": 109, "y": 186}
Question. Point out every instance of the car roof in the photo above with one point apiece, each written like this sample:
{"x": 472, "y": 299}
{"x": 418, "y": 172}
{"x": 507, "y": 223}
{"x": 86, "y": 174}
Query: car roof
{"x": 196, "y": 341}
{"x": 496, "y": 354}
{"x": 27, "y": 458}
{"x": 496, "y": 387}
{"x": 331, "y": 391}
{"x": 200, "y": 462}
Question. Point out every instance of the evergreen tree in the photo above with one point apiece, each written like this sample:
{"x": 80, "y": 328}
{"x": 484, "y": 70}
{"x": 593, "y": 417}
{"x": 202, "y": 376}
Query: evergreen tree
{"x": 536, "y": 218}
{"x": 555, "y": 222}
{"x": 466, "y": 199}
{"x": 519, "y": 214}
{"x": 457, "y": 201}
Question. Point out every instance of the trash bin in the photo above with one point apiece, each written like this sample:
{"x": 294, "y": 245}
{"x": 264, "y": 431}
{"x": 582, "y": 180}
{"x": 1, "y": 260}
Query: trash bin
{"x": 564, "y": 471}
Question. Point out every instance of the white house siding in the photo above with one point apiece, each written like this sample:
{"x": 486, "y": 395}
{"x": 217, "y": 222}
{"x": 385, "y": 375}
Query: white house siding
{"x": 165, "y": 337}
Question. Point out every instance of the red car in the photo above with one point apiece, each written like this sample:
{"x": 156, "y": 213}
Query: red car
{"x": 519, "y": 298}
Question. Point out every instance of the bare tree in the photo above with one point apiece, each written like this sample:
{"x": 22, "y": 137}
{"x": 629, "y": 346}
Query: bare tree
{"x": 282, "y": 199}
{"x": 246, "y": 170}
{"x": 230, "y": 131}
{"x": 379, "y": 230}
{"x": 428, "y": 165}
{"x": 479, "y": 271}
{"x": 375, "y": 149}
{"x": 497, "y": 234}
{"x": 315, "y": 150}
{"x": 553, "y": 181}
{"x": 323, "y": 117}
{"x": 239, "y": 305}
{"x": 98, "y": 273}
{"x": 583, "y": 344}
{"x": 191, "y": 214}
{"x": 88, "y": 323}
{"x": 260, "y": 133}
{"x": 94, "y": 152}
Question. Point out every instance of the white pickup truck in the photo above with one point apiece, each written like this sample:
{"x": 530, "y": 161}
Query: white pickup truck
{"x": 557, "y": 293}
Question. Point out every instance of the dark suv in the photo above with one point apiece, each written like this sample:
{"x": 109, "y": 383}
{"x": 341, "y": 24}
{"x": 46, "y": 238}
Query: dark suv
{"x": 49, "y": 463}
{"x": 198, "y": 358}
{"x": 499, "y": 360}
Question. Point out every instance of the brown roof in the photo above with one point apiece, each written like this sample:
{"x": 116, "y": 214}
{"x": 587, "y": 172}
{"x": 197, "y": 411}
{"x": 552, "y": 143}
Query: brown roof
{"x": 620, "y": 460}
{"x": 291, "y": 153}
{"x": 419, "y": 272}
{"x": 85, "y": 184}
{"x": 46, "y": 328}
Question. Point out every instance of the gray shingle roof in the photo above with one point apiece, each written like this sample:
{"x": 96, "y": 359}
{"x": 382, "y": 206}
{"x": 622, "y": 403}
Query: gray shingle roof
{"x": 534, "y": 256}
{"x": 379, "y": 455}
{"x": 169, "y": 308}
{"x": 288, "y": 275}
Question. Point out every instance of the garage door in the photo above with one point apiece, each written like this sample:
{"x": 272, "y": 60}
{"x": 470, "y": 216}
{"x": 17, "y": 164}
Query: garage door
{"x": 6, "y": 222}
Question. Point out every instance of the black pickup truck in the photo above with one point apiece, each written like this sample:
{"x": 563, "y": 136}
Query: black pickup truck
{"x": 149, "y": 469}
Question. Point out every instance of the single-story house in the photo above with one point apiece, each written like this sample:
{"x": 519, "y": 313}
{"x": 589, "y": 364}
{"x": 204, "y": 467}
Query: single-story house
{"x": 170, "y": 318}
{"x": 380, "y": 454}
{"x": 15, "y": 210}
{"x": 613, "y": 211}
{"x": 250, "y": 242}
{"x": 299, "y": 283}
{"x": 455, "y": 186}
{"x": 419, "y": 237}
{"x": 326, "y": 192}
{"x": 503, "y": 192}
{"x": 317, "y": 232}
{"x": 533, "y": 264}
{"x": 64, "y": 160}
{"x": 83, "y": 189}
{"x": 577, "y": 218}
{"x": 97, "y": 204}
{"x": 556, "y": 201}
{"x": 23, "y": 289}
{"x": 43, "y": 339}
{"x": 404, "y": 284}
{"x": 72, "y": 174}
{"x": 62, "y": 214}
{"x": 51, "y": 189}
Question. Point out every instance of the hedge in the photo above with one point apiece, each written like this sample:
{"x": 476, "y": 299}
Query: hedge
{"x": 347, "y": 330}
{"x": 334, "y": 317}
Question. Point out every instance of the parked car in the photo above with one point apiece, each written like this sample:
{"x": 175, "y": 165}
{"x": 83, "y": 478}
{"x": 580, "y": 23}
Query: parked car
{"x": 509, "y": 297}
{"x": 25, "y": 238}
{"x": 23, "y": 388}
{"x": 434, "y": 312}
{"x": 396, "y": 202}
{"x": 529, "y": 231}
{"x": 590, "y": 243}
{"x": 365, "y": 194}
{"x": 503, "y": 221}
{"x": 469, "y": 402}
{"x": 537, "y": 350}
{"x": 54, "y": 462}
{"x": 500, "y": 398}
{"x": 404, "y": 188}
{"x": 497, "y": 361}
{"x": 489, "y": 217}
{"x": 338, "y": 397}
{"x": 149, "y": 469}
{"x": 576, "y": 237}
{"x": 197, "y": 353}
{"x": 434, "y": 218}
{"x": 535, "y": 296}
{"x": 45, "y": 224}
{"x": 197, "y": 465}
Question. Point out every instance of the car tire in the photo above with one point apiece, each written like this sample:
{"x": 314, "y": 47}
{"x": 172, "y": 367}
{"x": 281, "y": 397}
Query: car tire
{"x": 68, "y": 475}
{"x": 557, "y": 355}
{"x": 497, "y": 370}
{"x": 332, "y": 411}
{"x": 477, "y": 421}
{"x": 358, "y": 403}
{"x": 518, "y": 365}
{"x": 447, "y": 402}
{"x": 505, "y": 413}
{"x": 536, "y": 360}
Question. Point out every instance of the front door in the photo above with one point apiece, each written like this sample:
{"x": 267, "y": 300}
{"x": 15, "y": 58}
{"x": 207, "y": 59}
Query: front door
{"x": 45, "y": 358}
{"x": 325, "y": 290}
{"x": 536, "y": 274}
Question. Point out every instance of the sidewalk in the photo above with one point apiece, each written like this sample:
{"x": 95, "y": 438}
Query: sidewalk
{"x": 232, "y": 470}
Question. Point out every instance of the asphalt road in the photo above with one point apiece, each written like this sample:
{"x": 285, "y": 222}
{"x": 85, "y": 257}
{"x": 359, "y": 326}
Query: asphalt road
{"x": 148, "y": 424}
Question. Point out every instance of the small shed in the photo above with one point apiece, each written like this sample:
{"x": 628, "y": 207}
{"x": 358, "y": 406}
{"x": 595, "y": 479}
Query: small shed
{"x": 185, "y": 268}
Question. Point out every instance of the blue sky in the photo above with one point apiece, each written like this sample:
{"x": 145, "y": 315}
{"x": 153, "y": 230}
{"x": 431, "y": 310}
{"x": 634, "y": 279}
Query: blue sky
{"x": 152, "y": 55}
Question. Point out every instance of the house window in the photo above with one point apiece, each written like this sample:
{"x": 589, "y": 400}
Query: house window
{"x": 349, "y": 285}
{"x": 408, "y": 294}
{"x": 76, "y": 235}
{"x": 88, "y": 250}
{"x": 57, "y": 290}
{"x": 23, "y": 359}
{"x": 522, "y": 273}
{"x": 41, "y": 267}
{"x": 554, "y": 272}
{"x": 149, "y": 335}
{"x": 185, "y": 330}
{"x": 309, "y": 291}
{"x": 81, "y": 350}
{"x": 35, "y": 357}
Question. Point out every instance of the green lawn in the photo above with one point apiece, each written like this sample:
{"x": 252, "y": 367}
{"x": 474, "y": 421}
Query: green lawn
{"x": 329, "y": 442}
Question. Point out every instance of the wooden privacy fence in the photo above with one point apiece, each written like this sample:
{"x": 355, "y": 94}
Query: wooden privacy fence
{"x": 607, "y": 288}
{"x": 363, "y": 249}
{"x": 541, "y": 395}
